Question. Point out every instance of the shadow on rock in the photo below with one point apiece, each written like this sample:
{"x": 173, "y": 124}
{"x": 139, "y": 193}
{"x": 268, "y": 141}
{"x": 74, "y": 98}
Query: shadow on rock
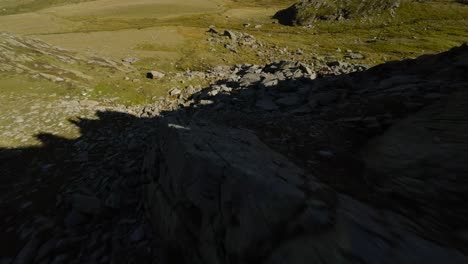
{"x": 262, "y": 166}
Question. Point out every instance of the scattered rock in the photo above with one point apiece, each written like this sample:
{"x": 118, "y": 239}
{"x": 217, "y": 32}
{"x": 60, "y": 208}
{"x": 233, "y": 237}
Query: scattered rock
{"x": 174, "y": 92}
{"x": 355, "y": 56}
{"x": 130, "y": 60}
{"x": 231, "y": 34}
{"x": 155, "y": 75}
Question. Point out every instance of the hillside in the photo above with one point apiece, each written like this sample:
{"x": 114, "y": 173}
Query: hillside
{"x": 308, "y": 11}
{"x": 214, "y": 131}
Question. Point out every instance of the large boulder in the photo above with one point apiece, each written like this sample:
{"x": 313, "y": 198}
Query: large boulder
{"x": 219, "y": 195}
{"x": 308, "y": 11}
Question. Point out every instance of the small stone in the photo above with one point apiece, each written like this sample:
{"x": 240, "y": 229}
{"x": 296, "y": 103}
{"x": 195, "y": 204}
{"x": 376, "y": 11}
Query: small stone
{"x": 249, "y": 79}
{"x": 213, "y": 30}
{"x": 355, "y": 56}
{"x": 305, "y": 69}
{"x": 155, "y": 75}
{"x": 231, "y": 35}
{"x": 174, "y": 92}
{"x": 130, "y": 60}
{"x": 269, "y": 82}
{"x": 206, "y": 102}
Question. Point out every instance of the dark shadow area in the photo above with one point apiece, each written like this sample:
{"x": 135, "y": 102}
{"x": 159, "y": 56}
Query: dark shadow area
{"x": 341, "y": 129}
{"x": 104, "y": 160}
{"x": 286, "y": 16}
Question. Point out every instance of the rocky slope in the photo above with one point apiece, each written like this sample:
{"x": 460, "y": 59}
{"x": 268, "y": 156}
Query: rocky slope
{"x": 306, "y": 12}
{"x": 367, "y": 166}
{"x": 35, "y": 59}
{"x": 287, "y": 162}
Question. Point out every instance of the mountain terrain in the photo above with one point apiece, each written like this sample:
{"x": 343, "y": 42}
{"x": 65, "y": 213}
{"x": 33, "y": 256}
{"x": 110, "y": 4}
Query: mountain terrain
{"x": 233, "y": 131}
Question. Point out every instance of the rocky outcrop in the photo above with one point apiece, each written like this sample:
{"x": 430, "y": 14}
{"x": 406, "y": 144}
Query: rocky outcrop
{"x": 220, "y": 195}
{"x": 232, "y": 40}
{"x": 283, "y": 163}
{"x": 306, "y": 12}
{"x": 239, "y": 211}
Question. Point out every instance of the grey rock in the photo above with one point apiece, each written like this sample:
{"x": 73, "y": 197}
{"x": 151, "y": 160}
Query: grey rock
{"x": 213, "y": 30}
{"x": 435, "y": 137}
{"x": 155, "y": 75}
{"x": 305, "y": 69}
{"x": 130, "y": 60}
{"x": 174, "y": 92}
{"x": 355, "y": 56}
{"x": 250, "y": 79}
{"x": 269, "y": 82}
{"x": 231, "y": 34}
{"x": 206, "y": 102}
{"x": 306, "y": 12}
{"x": 221, "y": 175}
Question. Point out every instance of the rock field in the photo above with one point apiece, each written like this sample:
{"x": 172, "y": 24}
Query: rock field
{"x": 292, "y": 162}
